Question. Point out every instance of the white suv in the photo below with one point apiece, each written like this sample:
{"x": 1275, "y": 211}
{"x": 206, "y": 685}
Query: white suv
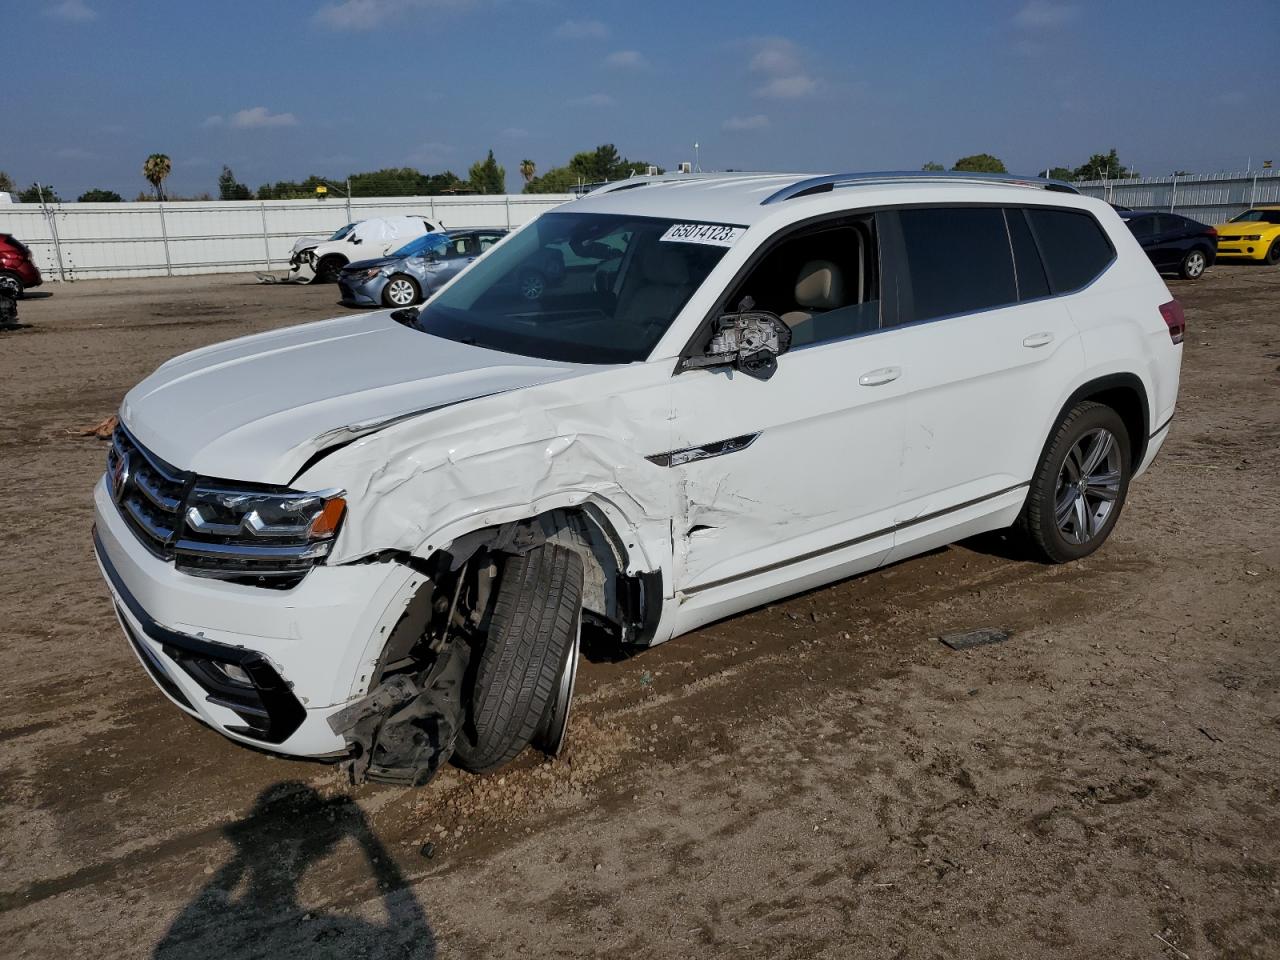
{"x": 378, "y": 537}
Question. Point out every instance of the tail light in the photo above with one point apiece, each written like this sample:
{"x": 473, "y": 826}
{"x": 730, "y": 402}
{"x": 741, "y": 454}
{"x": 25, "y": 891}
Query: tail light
{"x": 1213, "y": 231}
{"x": 1174, "y": 319}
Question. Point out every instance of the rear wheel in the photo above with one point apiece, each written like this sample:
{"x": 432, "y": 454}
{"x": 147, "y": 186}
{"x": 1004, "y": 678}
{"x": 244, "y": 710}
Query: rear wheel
{"x": 532, "y": 285}
{"x": 400, "y": 291}
{"x": 1273, "y": 254}
{"x": 1193, "y": 265}
{"x": 1080, "y": 485}
{"x": 520, "y": 688}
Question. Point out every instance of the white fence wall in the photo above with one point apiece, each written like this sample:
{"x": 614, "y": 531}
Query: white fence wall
{"x": 84, "y": 240}
{"x": 1207, "y": 197}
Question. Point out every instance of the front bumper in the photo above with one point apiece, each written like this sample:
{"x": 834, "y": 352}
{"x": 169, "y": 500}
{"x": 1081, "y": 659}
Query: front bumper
{"x": 362, "y": 293}
{"x": 308, "y": 651}
{"x": 1242, "y": 249}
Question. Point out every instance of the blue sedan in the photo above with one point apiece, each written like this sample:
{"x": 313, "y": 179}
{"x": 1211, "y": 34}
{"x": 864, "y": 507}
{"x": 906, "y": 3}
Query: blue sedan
{"x": 416, "y": 270}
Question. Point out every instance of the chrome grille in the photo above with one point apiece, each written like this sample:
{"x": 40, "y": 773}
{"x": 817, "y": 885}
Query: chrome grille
{"x": 148, "y": 491}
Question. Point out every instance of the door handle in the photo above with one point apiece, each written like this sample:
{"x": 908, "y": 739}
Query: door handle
{"x": 876, "y": 378}
{"x": 1038, "y": 339}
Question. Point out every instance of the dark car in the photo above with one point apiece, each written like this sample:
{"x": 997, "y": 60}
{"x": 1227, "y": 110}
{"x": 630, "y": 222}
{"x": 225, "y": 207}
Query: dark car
{"x": 1175, "y": 244}
{"x": 17, "y": 270}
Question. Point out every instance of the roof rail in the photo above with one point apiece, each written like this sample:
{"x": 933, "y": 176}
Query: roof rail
{"x": 645, "y": 180}
{"x": 824, "y": 184}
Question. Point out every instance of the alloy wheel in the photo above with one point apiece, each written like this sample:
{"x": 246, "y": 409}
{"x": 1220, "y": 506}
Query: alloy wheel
{"x": 1088, "y": 486}
{"x": 531, "y": 286}
{"x": 400, "y": 292}
{"x": 1195, "y": 264}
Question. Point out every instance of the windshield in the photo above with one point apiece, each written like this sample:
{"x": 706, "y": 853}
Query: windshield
{"x": 431, "y": 242}
{"x": 1258, "y": 216}
{"x": 339, "y": 234}
{"x": 579, "y": 287}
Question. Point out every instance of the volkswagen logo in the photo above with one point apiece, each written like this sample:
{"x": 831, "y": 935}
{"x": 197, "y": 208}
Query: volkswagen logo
{"x": 120, "y": 477}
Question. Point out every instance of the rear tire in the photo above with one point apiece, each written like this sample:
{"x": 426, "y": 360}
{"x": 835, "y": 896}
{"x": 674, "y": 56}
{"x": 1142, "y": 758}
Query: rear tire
{"x": 400, "y": 291}
{"x": 1080, "y": 485}
{"x": 1193, "y": 265}
{"x": 522, "y": 660}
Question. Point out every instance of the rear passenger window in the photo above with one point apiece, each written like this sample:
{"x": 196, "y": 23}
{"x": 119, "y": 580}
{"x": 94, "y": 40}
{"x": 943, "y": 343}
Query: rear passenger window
{"x": 1032, "y": 282}
{"x": 1074, "y": 247}
{"x": 958, "y": 260}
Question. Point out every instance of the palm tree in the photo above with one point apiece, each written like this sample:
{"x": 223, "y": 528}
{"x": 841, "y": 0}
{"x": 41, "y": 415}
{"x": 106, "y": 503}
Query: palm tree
{"x": 155, "y": 169}
{"x": 528, "y": 170}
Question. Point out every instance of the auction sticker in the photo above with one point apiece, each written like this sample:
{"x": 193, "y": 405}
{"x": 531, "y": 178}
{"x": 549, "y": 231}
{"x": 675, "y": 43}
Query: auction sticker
{"x": 715, "y": 234}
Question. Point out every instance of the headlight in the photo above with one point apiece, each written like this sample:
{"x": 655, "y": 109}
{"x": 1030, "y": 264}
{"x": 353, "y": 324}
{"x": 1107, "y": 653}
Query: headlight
{"x": 1252, "y": 236}
{"x": 361, "y": 276}
{"x": 229, "y": 532}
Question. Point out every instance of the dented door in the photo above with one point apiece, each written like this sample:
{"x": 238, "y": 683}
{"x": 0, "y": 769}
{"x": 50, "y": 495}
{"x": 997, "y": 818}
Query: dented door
{"x": 778, "y": 479}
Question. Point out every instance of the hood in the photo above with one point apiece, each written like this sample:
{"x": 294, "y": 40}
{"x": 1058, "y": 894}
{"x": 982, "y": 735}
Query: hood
{"x": 306, "y": 243}
{"x": 370, "y": 264}
{"x": 255, "y": 409}
{"x": 1245, "y": 229}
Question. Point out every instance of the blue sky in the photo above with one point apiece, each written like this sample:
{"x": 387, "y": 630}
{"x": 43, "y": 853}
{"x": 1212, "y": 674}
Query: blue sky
{"x": 280, "y": 89}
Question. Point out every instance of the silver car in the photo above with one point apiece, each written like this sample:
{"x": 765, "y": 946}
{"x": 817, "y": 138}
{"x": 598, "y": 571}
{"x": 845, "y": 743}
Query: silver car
{"x": 416, "y": 270}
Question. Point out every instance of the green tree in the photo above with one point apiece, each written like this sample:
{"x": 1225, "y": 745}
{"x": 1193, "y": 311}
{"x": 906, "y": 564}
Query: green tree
{"x": 486, "y": 176}
{"x": 33, "y": 195}
{"x": 1104, "y": 166}
{"x": 933, "y": 167}
{"x": 980, "y": 163}
{"x": 6, "y": 183}
{"x": 99, "y": 196}
{"x": 591, "y": 166}
{"x": 1061, "y": 173}
{"x": 229, "y": 188}
{"x": 155, "y": 169}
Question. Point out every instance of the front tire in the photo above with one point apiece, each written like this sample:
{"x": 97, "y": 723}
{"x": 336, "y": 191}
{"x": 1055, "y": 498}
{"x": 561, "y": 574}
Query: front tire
{"x": 1193, "y": 265}
{"x": 1080, "y": 485}
{"x": 13, "y": 282}
{"x": 1273, "y": 253}
{"x": 328, "y": 268}
{"x": 522, "y": 660}
{"x": 400, "y": 291}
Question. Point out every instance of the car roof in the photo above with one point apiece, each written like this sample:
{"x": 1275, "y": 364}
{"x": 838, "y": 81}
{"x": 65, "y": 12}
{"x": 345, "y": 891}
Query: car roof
{"x": 746, "y": 198}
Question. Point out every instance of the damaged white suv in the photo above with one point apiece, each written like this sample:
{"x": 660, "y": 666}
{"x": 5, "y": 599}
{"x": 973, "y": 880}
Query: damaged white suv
{"x": 378, "y": 538}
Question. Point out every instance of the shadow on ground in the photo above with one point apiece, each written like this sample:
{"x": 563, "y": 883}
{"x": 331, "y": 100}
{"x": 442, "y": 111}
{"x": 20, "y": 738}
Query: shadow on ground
{"x": 251, "y": 905}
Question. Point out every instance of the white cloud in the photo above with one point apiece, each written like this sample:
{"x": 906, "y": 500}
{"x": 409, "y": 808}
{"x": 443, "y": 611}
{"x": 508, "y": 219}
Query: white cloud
{"x": 256, "y": 117}
{"x": 756, "y": 121}
{"x": 371, "y": 14}
{"x": 215, "y": 121}
{"x": 1045, "y": 15}
{"x": 72, "y": 11}
{"x": 775, "y": 56}
{"x": 788, "y": 88}
{"x": 515, "y": 133}
{"x": 626, "y": 60}
{"x": 581, "y": 30}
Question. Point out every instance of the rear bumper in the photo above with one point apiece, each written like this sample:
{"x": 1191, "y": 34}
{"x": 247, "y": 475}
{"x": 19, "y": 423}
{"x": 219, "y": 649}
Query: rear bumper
{"x": 307, "y": 651}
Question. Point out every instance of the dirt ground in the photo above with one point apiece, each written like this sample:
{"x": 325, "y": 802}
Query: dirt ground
{"x": 816, "y": 778}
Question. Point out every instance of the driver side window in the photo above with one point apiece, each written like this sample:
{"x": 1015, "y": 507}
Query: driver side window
{"x": 823, "y": 282}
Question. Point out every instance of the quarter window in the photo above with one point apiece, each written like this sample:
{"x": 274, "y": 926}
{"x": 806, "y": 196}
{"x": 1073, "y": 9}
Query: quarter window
{"x": 958, "y": 260}
{"x": 1074, "y": 247}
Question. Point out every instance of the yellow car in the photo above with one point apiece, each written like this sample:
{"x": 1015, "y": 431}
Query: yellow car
{"x": 1254, "y": 235}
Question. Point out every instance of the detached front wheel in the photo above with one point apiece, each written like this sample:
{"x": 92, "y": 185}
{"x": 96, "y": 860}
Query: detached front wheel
{"x": 524, "y": 665}
{"x": 1080, "y": 485}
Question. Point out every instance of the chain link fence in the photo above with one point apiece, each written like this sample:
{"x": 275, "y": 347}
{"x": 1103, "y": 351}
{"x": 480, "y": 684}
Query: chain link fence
{"x": 72, "y": 241}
